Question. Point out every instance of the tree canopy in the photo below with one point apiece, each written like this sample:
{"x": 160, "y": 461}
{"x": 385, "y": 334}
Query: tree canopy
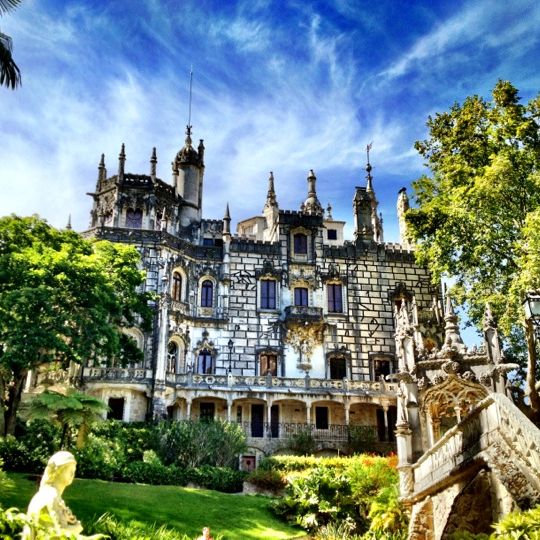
{"x": 62, "y": 299}
{"x": 478, "y": 212}
{"x": 10, "y": 74}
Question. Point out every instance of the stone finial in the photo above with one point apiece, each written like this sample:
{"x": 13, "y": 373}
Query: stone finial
{"x": 402, "y": 208}
{"x": 68, "y": 225}
{"x": 163, "y": 220}
{"x": 312, "y": 205}
{"x": 329, "y": 211}
{"x": 153, "y": 163}
{"x": 188, "y": 140}
{"x": 201, "y": 150}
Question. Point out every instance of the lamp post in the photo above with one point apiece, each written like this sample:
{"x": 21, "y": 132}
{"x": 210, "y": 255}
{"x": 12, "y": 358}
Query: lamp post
{"x": 531, "y": 306}
{"x": 230, "y": 345}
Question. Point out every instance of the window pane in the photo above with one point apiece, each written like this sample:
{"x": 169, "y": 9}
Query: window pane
{"x": 177, "y": 287}
{"x": 332, "y": 234}
{"x": 207, "y": 293}
{"x": 300, "y": 244}
{"x": 338, "y": 368}
{"x": 269, "y": 364}
{"x": 335, "y": 304}
{"x": 205, "y": 363}
{"x": 134, "y": 218}
{"x": 321, "y": 417}
{"x": 300, "y": 296}
{"x": 268, "y": 294}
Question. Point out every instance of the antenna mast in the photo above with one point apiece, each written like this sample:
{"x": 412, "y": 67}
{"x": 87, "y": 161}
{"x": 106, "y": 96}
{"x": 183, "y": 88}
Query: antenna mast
{"x": 190, "y": 94}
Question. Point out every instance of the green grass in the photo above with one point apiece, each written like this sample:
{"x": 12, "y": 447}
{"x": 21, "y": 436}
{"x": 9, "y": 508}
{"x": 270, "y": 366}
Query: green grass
{"x": 183, "y": 509}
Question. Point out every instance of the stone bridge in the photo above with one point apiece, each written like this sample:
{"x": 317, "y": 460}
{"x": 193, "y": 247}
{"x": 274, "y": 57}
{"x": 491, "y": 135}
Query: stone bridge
{"x": 481, "y": 469}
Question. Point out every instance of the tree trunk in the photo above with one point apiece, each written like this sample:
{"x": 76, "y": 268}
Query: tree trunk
{"x": 531, "y": 390}
{"x": 2, "y": 406}
{"x": 13, "y": 401}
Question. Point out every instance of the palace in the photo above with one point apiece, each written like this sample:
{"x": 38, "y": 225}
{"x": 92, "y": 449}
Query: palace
{"x": 283, "y": 326}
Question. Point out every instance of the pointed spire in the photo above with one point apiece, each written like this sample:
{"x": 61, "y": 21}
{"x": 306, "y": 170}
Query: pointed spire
{"x": 227, "y": 222}
{"x": 312, "y": 205}
{"x": 153, "y": 164}
{"x": 68, "y": 226}
{"x": 121, "y": 163}
{"x": 102, "y": 174}
{"x": 271, "y": 201}
{"x": 452, "y": 334}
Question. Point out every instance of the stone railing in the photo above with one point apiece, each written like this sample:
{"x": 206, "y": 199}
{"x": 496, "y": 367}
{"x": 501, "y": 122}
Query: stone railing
{"x": 495, "y": 431}
{"x": 111, "y": 374}
{"x": 277, "y": 383}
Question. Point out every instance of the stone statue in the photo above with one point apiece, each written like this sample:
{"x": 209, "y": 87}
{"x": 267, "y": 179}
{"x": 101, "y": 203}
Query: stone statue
{"x": 205, "y": 534}
{"x": 47, "y": 508}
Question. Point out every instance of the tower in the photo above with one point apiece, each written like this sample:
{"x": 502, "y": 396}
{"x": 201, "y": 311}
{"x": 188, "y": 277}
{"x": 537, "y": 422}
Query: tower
{"x": 188, "y": 173}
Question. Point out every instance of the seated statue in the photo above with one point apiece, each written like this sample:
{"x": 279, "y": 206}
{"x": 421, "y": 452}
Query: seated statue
{"x": 47, "y": 510}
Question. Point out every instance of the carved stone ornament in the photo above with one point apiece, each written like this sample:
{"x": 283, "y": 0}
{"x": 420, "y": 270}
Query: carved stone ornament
{"x": 304, "y": 337}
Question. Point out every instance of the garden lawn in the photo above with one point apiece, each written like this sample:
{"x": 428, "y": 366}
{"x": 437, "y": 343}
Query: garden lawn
{"x": 186, "y": 510}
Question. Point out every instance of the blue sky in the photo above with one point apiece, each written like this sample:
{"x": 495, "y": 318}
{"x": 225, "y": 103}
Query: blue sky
{"x": 278, "y": 86}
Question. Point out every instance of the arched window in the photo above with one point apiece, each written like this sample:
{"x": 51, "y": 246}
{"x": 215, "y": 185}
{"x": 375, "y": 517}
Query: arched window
{"x": 268, "y": 294}
{"x": 172, "y": 357}
{"x": 176, "y": 292}
{"x": 300, "y": 244}
{"x": 207, "y": 293}
{"x": 205, "y": 363}
{"x": 335, "y": 298}
{"x": 268, "y": 364}
{"x": 134, "y": 218}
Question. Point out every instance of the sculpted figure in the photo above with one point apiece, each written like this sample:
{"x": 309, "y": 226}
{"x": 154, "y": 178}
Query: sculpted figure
{"x": 47, "y": 508}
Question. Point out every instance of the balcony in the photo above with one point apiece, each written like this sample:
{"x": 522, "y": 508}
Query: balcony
{"x": 116, "y": 374}
{"x": 303, "y": 314}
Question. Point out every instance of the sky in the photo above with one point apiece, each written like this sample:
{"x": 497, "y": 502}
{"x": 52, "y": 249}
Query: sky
{"x": 277, "y": 86}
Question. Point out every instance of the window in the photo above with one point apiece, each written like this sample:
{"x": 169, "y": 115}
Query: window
{"x": 331, "y": 234}
{"x": 116, "y": 406}
{"x": 268, "y": 294}
{"x": 134, "y": 218}
{"x": 268, "y": 364}
{"x": 207, "y": 411}
{"x": 176, "y": 287}
{"x": 208, "y": 242}
{"x": 205, "y": 363}
{"x": 300, "y": 244}
{"x": 321, "y": 417}
{"x": 172, "y": 357}
{"x": 338, "y": 368}
{"x": 300, "y": 296}
{"x": 381, "y": 367}
{"x": 207, "y": 293}
{"x": 335, "y": 301}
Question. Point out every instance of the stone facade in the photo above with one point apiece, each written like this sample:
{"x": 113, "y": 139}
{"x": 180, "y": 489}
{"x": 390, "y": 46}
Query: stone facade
{"x": 283, "y": 326}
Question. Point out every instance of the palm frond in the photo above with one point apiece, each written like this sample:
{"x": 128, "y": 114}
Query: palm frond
{"x": 10, "y": 75}
{"x": 8, "y": 5}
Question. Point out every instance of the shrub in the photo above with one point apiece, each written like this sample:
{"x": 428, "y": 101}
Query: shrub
{"x": 154, "y": 473}
{"x": 362, "y": 439}
{"x": 302, "y": 442}
{"x": 218, "y": 478}
{"x": 522, "y": 525}
{"x": 100, "y": 458}
{"x": 270, "y": 480}
{"x": 191, "y": 444}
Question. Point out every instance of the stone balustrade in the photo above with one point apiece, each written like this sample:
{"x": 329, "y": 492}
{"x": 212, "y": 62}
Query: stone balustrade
{"x": 497, "y": 432}
{"x": 111, "y": 374}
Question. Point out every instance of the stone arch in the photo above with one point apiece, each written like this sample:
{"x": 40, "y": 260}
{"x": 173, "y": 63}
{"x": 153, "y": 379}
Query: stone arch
{"x": 421, "y": 525}
{"x": 445, "y": 404}
{"x": 179, "y": 290}
{"x": 176, "y": 355}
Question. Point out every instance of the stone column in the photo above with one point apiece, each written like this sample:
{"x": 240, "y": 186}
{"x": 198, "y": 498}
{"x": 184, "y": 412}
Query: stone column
{"x": 188, "y": 409}
{"x": 229, "y": 409}
{"x": 308, "y": 413}
{"x": 386, "y": 430}
{"x": 347, "y": 407}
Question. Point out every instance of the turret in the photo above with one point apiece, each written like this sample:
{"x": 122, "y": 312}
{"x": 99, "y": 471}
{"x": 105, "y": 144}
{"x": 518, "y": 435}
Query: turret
{"x": 153, "y": 164}
{"x": 102, "y": 173}
{"x": 311, "y": 205}
{"x": 271, "y": 212}
{"x": 367, "y": 222}
{"x": 227, "y": 224}
{"x": 188, "y": 173}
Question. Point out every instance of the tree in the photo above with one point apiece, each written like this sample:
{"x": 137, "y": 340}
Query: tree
{"x": 69, "y": 410}
{"x": 478, "y": 212}
{"x": 62, "y": 299}
{"x": 10, "y": 74}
